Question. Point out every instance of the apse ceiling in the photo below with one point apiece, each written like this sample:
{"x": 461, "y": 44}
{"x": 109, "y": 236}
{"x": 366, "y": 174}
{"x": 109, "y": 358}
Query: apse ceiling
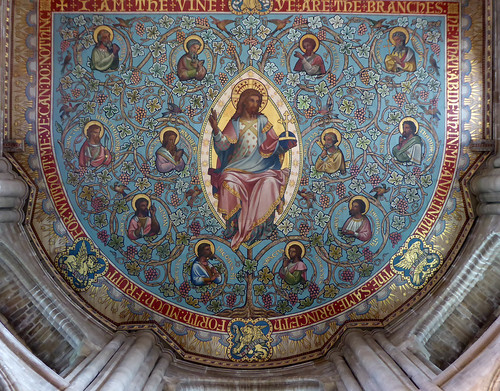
{"x": 250, "y": 178}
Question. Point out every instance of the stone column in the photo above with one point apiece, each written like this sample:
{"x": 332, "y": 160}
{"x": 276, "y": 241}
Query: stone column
{"x": 145, "y": 369}
{"x": 413, "y": 372}
{"x": 90, "y": 372}
{"x": 383, "y": 376}
{"x": 154, "y": 382}
{"x": 344, "y": 372}
{"x": 127, "y": 369}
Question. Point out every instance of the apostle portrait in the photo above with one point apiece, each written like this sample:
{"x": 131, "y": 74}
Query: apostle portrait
{"x": 402, "y": 57}
{"x": 144, "y": 222}
{"x": 189, "y": 65}
{"x": 202, "y": 271}
{"x": 293, "y": 270}
{"x": 93, "y": 153}
{"x": 331, "y": 158}
{"x": 409, "y": 147}
{"x": 358, "y": 226}
{"x": 104, "y": 55}
{"x": 248, "y": 180}
{"x": 309, "y": 62}
{"x": 168, "y": 156}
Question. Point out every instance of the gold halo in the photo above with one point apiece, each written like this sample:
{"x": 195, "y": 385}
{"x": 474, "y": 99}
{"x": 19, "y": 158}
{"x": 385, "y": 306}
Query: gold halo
{"x": 99, "y": 29}
{"x": 334, "y": 131}
{"x": 246, "y": 84}
{"x": 203, "y": 241}
{"x": 287, "y": 248}
{"x": 198, "y": 38}
{"x": 165, "y": 130}
{"x": 313, "y": 37}
{"x": 411, "y": 119}
{"x": 89, "y": 124}
{"x": 140, "y": 195}
{"x": 395, "y": 30}
{"x": 362, "y": 199}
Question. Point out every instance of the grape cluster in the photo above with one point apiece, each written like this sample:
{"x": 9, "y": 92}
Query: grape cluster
{"x": 271, "y": 49}
{"x": 362, "y": 29}
{"x": 368, "y": 254}
{"x": 190, "y": 111}
{"x": 223, "y": 78}
{"x": 169, "y": 79}
{"x": 304, "y": 181}
{"x": 251, "y": 41}
{"x": 340, "y": 190}
{"x": 231, "y": 299}
{"x": 324, "y": 200}
{"x": 66, "y": 98}
{"x": 202, "y": 21}
{"x": 75, "y": 92}
{"x": 175, "y": 200}
{"x": 332, "y": 79}
{"x": 278, "y": 78}
{"x": 205, "y": 297}
{"x": 98, "y": 204}
{"x": 400, "y": 99}
{"x": 124, "y": 178}
{"x": 395, "y": 237}
{"x": 159, "y": 187}
{"x": 313, "y": 290}
{"x": 267, "y": 300}
{"x": 151, "y": 274}
{"x": 101, "y": 98}
{"x": 355, "y": 170}
{"x": 359, "y": 114}
{"x": 195, "y": 227}
{"x": 231, "y": 49}
{"x": 195, "y": 180}
{"x": 103, "y": 236}
{"x": 322, "y": 35}
{"x": 145, "y": 169}
{"x": 402, "y": 205}
{"x": 139, "y": 29}
{"x": 293, "y": 299}
{"x": 375, "y": 180}
{"x": 347, "y": 275}
{"x": 299, "y": 20}
{"x": 184, "y": 289}
{"x": 309, "y": 113}
{"x": 436, "y": 49}
{"x": 434, "y": 101}
{"x": 417, "y": 172}
{"x": 131, "y": 252}
{"x": 136, "y": 76}
{"x": 424, "y": 94}
{"x": 82, "y": 171}
{"x": 304, "y": 229}
{"x": 273, "y": 236}
{"x": 64, "y": 45}
{"x": 163, "y": 58}
{"x": 180, "y": 36}
{"x": 140, "y": 114}
{"x": 364, "y": 76}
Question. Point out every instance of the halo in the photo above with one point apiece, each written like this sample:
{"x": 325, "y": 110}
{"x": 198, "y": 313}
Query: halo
{"x": 395, "y": 30}
{"x": 313, "y": 37}
{"x": 411, "y": 119}
{"x": 287, "y": 248}
{"x": 246, "y": 84}
{"x": 99, "y": 29}
{"x": 89, "y": 124}
{"x": 203, "y": 241}
{"x": 334, "y": 131}
{"x": 363, "y": 199}
{"x": 198, "y": 38}
{"x": 140, "y": 195}
{"x": 172, "y": 129}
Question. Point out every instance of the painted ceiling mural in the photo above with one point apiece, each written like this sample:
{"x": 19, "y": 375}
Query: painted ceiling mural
{"x": 251, "y": 177}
